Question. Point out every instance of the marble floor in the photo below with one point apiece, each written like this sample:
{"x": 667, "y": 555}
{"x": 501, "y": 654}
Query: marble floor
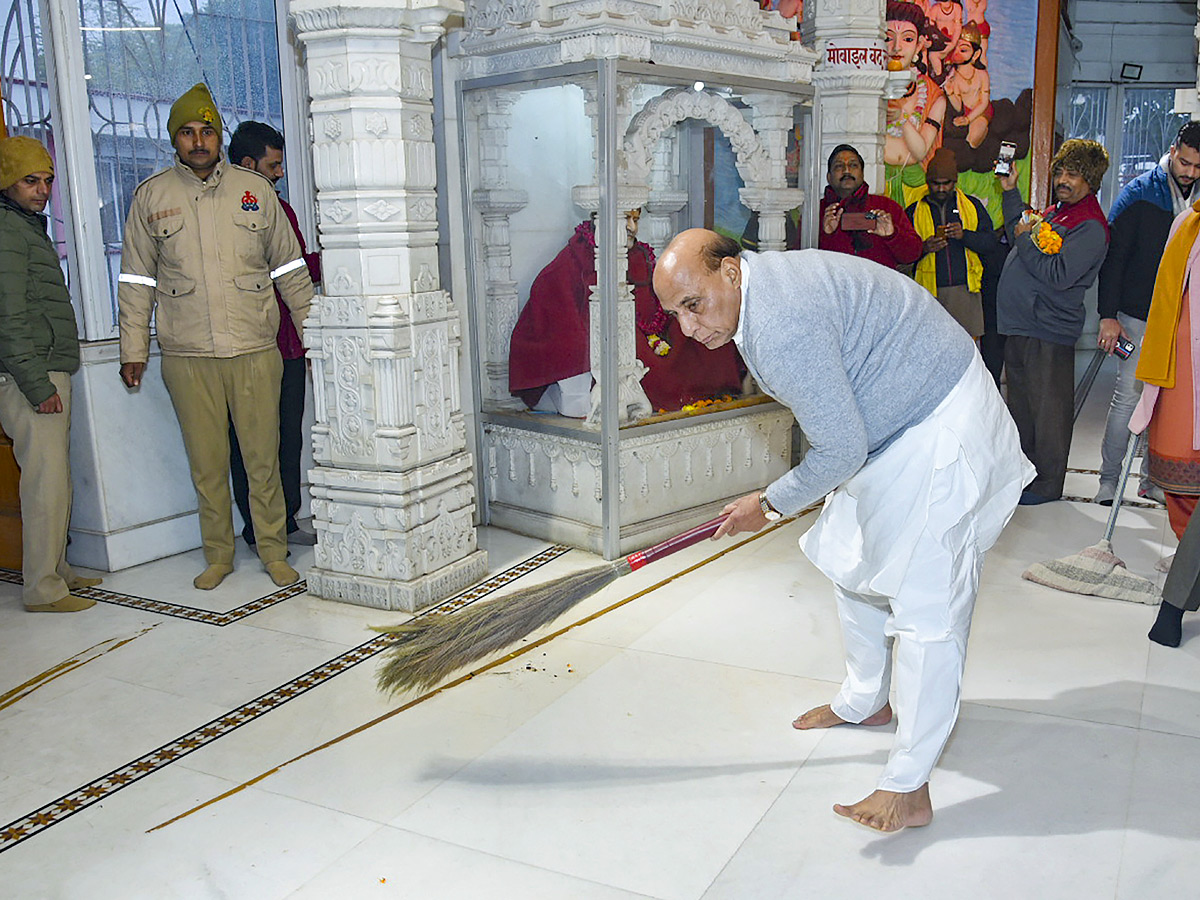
{"x": 170, "y": 743}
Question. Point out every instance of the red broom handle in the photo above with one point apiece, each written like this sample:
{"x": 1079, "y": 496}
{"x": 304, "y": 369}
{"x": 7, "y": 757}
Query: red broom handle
{"x": 679, "y": 542}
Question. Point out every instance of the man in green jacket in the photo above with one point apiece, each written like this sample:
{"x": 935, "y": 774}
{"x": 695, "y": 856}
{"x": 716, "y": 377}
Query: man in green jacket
{"x": 39, "y": 349}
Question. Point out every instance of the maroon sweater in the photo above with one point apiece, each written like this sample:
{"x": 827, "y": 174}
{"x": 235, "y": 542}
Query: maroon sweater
{"x": 902, "y": 248}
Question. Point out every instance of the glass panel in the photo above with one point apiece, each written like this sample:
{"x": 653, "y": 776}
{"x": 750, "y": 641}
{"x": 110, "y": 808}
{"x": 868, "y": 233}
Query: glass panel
{"x": 1089, "y": 113}
{"x": 690, "y": 156}
{"x": 141, "y": 55}
{"x": 26, "y": 93}
{"x": 1149, "y": 128}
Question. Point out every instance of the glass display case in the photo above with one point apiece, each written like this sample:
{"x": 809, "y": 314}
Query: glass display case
{"x": 600, "y": 425}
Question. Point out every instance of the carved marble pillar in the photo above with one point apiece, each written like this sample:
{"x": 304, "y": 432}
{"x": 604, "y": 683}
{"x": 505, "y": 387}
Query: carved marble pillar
{"x": 772, "y": 118}
{"x": 850, "y": 102}
{"x": 633, "y": 403}
{"x": 666, "y": 198}
{"x": 496, "y": 202}
{"x": 393, "y": 496}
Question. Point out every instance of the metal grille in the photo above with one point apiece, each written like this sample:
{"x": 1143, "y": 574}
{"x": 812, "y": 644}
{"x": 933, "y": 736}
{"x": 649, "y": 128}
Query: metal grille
{"x": 26, "y": 93}
{"x": 1089, "y": 114}
{"x": 140, "y": 55}
{"x": 1149, "y": 128}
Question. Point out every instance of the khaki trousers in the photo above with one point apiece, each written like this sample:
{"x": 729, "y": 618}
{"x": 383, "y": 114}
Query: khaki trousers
{"x": 207, "y": 393}
{"x": 42, "y": 445}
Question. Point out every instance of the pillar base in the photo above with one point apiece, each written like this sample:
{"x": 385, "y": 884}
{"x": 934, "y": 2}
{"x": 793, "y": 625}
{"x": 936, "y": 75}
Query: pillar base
{"x": 407, "y": 596}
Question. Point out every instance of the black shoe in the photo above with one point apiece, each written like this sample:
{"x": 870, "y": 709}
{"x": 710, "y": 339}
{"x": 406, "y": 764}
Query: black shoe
{"x": 1029, "y": 498}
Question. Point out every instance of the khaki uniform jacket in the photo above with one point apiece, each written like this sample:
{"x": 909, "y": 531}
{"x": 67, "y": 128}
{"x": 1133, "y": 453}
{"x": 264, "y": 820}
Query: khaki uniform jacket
{"x": 202, "y": 256}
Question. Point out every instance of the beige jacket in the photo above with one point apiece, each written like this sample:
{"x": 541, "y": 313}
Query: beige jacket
{"x": 201, "y": 256}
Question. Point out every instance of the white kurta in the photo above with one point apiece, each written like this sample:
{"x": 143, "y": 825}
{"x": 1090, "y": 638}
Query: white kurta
{"x": 903, "y": 541}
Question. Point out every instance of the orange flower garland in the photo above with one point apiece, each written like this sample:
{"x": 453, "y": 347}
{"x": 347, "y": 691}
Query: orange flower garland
{"x": 1046, "y": 239}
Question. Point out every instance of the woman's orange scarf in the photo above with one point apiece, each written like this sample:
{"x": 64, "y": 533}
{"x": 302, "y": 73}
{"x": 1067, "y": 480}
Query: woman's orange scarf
{"x": 1156, "y": 365}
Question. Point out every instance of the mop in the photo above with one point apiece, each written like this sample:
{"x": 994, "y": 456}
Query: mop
{"x": 1097, "y": 570}
{"x": 432, "y": 647}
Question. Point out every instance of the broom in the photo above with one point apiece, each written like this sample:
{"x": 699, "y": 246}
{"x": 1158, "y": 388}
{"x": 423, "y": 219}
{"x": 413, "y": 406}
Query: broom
{"x": 433, "y": 647}
{"x": 1097, "y": 570}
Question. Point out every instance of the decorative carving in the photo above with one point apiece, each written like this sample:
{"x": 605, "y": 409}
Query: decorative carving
{"x": 425, "y": 280}
{"x": 376, "y": 124}
{"x": 381, "y": 210}
{"x": 338, "y": 212}
{"x": 333, "y": 128}
{"x": 677, "y": 104}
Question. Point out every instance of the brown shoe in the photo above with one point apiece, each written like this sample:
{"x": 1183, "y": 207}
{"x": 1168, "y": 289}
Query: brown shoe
{"x": 281, "y": 573}
{"x": 211, "y": 577}
{"x": 69, "y": 603}
{"x": 83, "y": 581}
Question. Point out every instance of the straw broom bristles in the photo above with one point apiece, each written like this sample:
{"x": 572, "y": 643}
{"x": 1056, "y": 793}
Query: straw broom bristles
{"x": 431, "y": 648}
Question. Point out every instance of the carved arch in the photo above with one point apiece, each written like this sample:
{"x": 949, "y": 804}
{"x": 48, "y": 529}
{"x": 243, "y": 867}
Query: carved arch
{"x": 669, "y": 109}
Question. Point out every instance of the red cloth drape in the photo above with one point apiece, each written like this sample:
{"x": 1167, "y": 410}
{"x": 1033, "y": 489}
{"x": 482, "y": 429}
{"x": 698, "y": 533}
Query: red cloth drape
{"x": 550, "y": 340}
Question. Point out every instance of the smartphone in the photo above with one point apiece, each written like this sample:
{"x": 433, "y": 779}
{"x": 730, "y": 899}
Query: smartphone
{"x": 1124, "y": 348}
{"x": 856, "y": 221}
{"x": 1004, "y": 163}
{"x": 939, "y": 231}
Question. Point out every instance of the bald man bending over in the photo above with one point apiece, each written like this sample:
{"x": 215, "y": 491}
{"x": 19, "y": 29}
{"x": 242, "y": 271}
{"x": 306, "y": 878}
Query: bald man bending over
{"x": 912, "y": 444}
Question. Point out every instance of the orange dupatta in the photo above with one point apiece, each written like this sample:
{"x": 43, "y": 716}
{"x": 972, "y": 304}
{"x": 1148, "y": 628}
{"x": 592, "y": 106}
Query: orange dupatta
{"x": 1157, "y": 363}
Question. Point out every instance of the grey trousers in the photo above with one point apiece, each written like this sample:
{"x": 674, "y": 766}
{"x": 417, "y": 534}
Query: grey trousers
{"x": 1182, "y": 587}
{"x": 1126, "y": 393}
{"x": 1041, "y": 399}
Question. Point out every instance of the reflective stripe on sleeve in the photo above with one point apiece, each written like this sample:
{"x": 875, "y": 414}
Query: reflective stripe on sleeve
{"x": 287, "y": 267}
{"x": 137, "y": 279}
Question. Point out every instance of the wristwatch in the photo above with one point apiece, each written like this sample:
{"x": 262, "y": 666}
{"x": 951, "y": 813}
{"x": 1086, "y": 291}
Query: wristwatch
{"x": 770, "y": 512}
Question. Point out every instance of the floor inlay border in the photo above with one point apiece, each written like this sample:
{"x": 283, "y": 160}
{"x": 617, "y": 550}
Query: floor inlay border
{"x": 37, "y": 821}
{"x": 191, "y": 613}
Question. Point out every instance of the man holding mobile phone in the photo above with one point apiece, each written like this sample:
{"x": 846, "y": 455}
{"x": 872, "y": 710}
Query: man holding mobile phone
{"x": 860, "y": 223}
{"x": 957, "y": 233}
{"x": 1040, "y": 306}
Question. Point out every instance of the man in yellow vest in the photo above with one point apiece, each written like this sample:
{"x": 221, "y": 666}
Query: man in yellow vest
{"x": 957, "y": 233}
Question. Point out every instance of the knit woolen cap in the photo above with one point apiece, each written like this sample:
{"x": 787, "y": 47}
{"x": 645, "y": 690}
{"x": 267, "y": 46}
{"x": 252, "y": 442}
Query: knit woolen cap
{"x": 943, "y": 166}
{"x": 1088, "y": 158}
{"x": 21, "y": 156}
{"x": 195, "y": 106}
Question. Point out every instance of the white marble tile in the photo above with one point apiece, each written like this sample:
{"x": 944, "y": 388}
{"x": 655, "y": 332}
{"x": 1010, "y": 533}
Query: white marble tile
{"x": 1162, "y": 831}
{"x": 778, "y": 616}
{"x": 504, "y": 548}
{"x": 1016, "y": 815}
{"x": 252, "y": 845}
{"x": 170, "y": 580}
{"x": 303, "y": 723}
{"x": 19, "y": 795}
{"x": 1063, "y": 654}
{"x": 1171, "y": 700}
{"x": 646, "y": 776}
{"x": 394, "y": 863}
{"x": 68, "y": 740}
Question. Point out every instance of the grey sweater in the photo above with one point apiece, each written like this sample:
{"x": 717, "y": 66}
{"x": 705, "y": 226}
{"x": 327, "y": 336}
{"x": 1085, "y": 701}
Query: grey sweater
{"x": 856, "y": 350}
{"x": 1041, "y": 295}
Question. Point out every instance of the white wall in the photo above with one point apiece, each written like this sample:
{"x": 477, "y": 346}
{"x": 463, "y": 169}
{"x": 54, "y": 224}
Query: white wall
{"x": 1155, "y": 34}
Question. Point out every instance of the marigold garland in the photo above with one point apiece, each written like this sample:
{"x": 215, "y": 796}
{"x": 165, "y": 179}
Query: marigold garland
{"x": 1046, "y": 239}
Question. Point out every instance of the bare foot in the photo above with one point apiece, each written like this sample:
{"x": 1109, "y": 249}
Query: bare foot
{"x": 825, "y": 717}
{"x": 890, "y": 811}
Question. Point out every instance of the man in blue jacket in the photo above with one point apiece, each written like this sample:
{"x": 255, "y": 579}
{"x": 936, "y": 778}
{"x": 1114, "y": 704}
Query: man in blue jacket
{"x": 1138, "y": 224}
{"x": 912, "y": 444}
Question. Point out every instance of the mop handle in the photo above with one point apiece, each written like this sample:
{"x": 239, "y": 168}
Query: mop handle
{"x": 679, "y": 542}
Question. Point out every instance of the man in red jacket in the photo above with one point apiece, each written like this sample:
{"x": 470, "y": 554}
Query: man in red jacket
{"x": 258, "y": 146}
{"x": 862, "y": 224}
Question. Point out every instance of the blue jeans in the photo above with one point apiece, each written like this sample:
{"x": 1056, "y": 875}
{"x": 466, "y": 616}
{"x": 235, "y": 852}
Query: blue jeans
{"x": 1125, "y": 397}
